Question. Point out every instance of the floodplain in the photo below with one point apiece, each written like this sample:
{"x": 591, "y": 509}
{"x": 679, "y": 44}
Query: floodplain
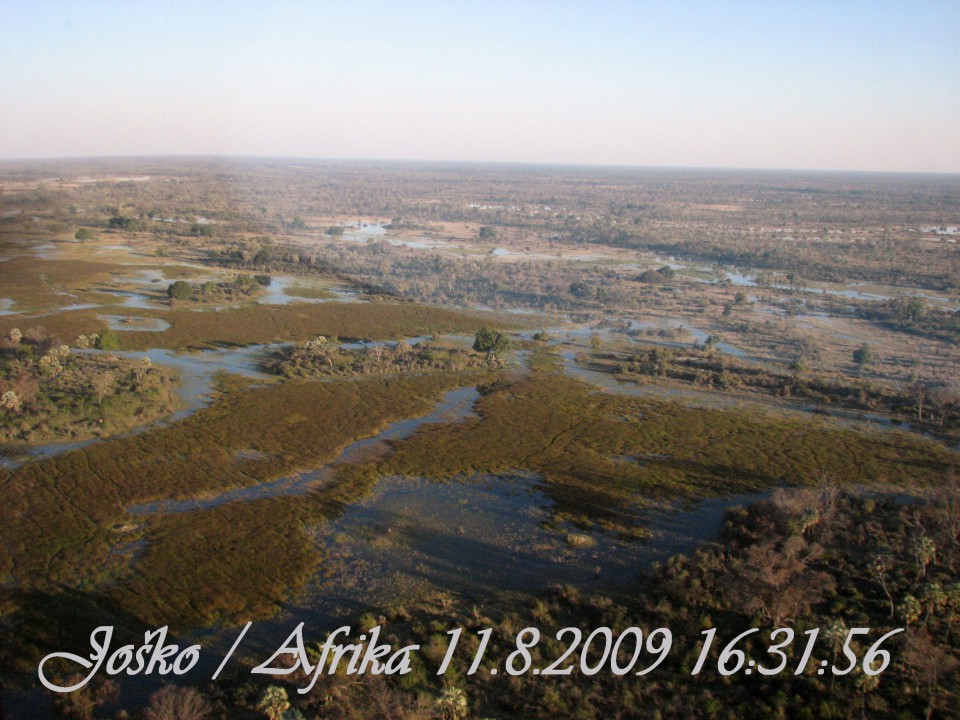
{"x": 508, "y": 396}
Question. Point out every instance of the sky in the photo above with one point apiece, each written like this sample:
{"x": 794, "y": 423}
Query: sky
{"x": 809, "y": 84}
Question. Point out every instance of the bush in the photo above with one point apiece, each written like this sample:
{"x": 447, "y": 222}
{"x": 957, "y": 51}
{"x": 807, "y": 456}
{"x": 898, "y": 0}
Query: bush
{"x": 176, "y": 703}
{"x": 108, "y": 340}
{"x": 180, "y": 290}
{"x": 863, "y": 356}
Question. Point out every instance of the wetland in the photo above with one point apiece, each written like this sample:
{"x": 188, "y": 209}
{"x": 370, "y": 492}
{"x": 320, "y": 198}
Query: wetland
{"x": 302, "y": 415}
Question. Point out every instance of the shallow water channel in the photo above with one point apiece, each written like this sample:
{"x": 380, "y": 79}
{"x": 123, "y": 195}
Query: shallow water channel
{"x": 456, "y": 405}
{"x": 485, "y": 537}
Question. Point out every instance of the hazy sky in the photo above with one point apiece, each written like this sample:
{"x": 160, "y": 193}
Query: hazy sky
{"x": 872, "y": 85}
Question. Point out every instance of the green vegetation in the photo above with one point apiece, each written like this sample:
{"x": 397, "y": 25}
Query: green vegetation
{"x": 545, "y": 423}
{"x": 310, "y": 293}
{"x": 585, "y": 242}
{"x": 324, "y": 357}
{"x": 915, "y": 317}
{"x": 244, "y": 286}
{"x": 863, "y": 357}
{"x": 251, "y": 324}
{"x": 36, "y": 284}
{"x": 180, "y": 290}
{"x": 61, "y": 327}
{"x": 203, "y": 230}
{"x": 50, "y": 393}
{"x": 576, "y": 438}
{"x": 656, "y": 276}
{"x": 105, "y": 340}
{"x": 939, "y": 403}
{"x": 57, "y": 519}
{"x": 125, "y": 222}
{"x": 491, "y": 342}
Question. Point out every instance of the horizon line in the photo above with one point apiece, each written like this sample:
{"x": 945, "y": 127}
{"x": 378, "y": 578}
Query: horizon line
{"x": 508, "y": 163}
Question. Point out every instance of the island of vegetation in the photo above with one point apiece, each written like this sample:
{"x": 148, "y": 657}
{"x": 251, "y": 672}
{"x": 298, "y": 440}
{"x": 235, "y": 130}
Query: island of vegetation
{"x": 50, "y": 392}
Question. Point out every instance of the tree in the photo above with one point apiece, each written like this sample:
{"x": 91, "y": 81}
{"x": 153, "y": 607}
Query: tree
{"x": 274, "y": 702}
{"x": 84, "y": 234}
{"x": 925, "y": 552}
{"x": 928, "y": 662}
{"x": 202, "y": 230}
{"x": 177, "y": 703}
{"x": 452, "y": 703}
{"x": 487, "y": 233}
{"x": 335, "y": 230}
{"x": 101, "y": 383}
{"x": 82, "y": 704}
{"x": 776, "y": 579}
{"x": 492, "y": 342}
{"x": 910, "y": 310}
{"x": 652, "y": 276}
{"x": 124, "y": 222}
{"x": 863, "y": 356}
{"x": 108, "y": 340}
{"x": 945, "y": 400}
{"x": 920, "y": 391}
{"x": 180, "y": 290}
{"x": 880, "y": 569}
{"x": 10, "y": 401}
{"x": 581, "y": 289}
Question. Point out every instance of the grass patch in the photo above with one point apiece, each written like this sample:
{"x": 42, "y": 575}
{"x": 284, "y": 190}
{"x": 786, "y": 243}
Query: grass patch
{"x": 36, "y": 284}
{"x": 231, "y": 562}
{"x": 253, "y": 324}
{"x": 310, "y": 293}
{"x": 180, "y": 271}
{"x": 63, "y": 326}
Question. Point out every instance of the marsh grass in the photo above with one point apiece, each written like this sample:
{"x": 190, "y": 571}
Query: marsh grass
{"x": 57, "y": 520}
{"x": 575, "y": 437}
{"x": 38, "y": 284}
{"x": 181, "y": 271}
{"x": 65, "y": 326}
{"x": 251, "y": 324}
{"x": 310, "y": 293}
{"x": 241, "y": 560}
